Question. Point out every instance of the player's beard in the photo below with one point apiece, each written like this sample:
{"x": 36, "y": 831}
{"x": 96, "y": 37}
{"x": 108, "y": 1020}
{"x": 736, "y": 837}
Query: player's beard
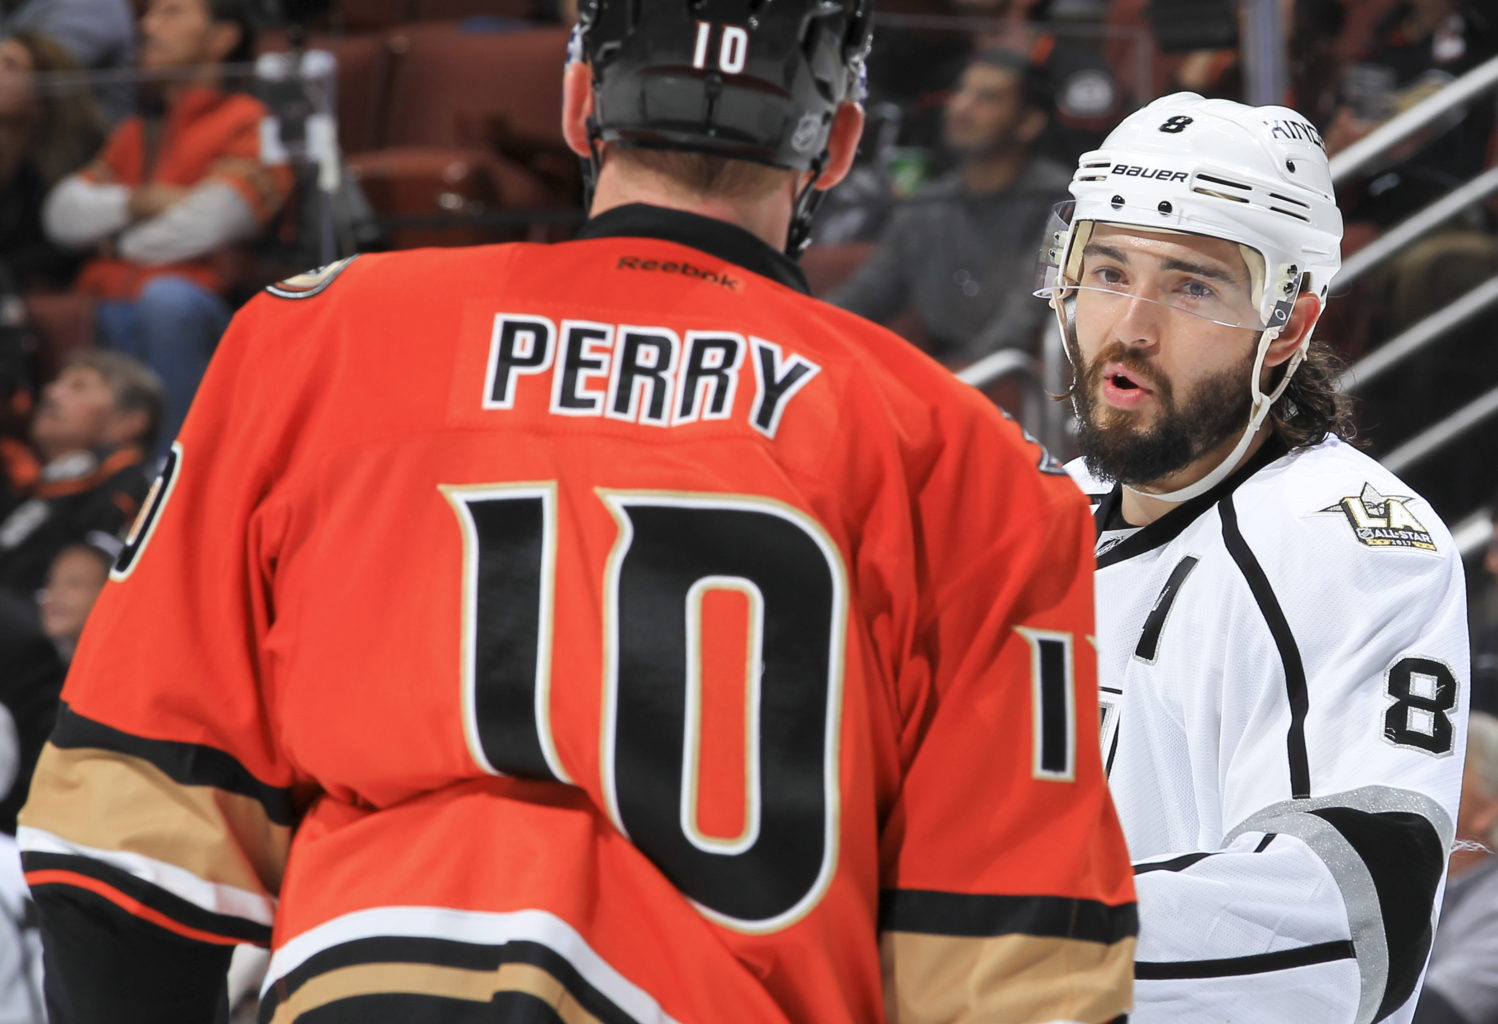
{"x": 1116, "y": 447}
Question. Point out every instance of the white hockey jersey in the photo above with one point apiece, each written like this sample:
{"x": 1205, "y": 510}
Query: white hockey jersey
{"x": 1284, "y": 667}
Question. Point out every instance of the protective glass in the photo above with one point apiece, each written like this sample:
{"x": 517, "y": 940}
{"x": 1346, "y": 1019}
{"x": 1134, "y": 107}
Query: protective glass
{"x": 1101, "y": 279}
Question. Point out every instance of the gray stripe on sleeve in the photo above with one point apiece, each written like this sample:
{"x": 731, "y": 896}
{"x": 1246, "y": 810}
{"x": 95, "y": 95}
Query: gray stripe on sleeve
{"x": 1353, "y": 879}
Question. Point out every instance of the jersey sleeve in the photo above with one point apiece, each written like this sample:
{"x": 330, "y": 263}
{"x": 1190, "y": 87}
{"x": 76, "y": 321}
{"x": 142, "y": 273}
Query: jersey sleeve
{"x": 1345, "y": 674}
{"x": 1006, "y": 891}
{"x": 160, "y": 815}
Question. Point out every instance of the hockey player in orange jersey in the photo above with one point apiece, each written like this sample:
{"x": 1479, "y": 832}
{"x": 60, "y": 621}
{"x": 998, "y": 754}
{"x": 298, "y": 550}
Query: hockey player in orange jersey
{"x": 603, "y": 631}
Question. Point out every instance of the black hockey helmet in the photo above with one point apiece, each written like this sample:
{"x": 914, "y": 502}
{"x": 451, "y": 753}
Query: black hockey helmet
{"x": 757, "y": 80}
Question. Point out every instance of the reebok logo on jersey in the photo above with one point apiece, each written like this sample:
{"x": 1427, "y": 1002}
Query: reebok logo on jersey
{"x": 683, "y": 268}
{"x": 1383, "y": 521}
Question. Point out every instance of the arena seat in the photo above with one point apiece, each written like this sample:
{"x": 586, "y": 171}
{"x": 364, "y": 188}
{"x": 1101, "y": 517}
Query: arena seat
{"x": 458, "y": 87}
{"x": 436, "y": 196}
{"x": 496, "y": 91}
{"x": 365, "y": 67}
{"x": 450, "y": 10}
{"x": 374, "y": 15}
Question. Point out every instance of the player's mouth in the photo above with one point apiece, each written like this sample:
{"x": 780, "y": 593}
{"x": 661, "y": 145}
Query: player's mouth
{"x": 1124, "y": 388}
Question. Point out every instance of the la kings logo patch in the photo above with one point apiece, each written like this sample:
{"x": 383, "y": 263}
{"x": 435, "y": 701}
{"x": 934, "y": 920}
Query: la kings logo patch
{"x": 1383, "y": 521}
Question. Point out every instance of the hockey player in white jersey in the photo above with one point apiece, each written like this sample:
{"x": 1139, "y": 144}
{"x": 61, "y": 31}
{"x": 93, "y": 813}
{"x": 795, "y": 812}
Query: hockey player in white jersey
{"x": 1281, "y": 622}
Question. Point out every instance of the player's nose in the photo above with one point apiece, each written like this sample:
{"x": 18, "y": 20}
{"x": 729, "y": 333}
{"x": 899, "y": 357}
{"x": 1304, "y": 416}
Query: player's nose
{"x": 1140, "y": 322}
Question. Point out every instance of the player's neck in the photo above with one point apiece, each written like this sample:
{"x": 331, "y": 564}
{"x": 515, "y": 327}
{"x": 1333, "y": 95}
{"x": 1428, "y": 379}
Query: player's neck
{"x": 767, "y": 217}
{"x": 1141, "y": 509}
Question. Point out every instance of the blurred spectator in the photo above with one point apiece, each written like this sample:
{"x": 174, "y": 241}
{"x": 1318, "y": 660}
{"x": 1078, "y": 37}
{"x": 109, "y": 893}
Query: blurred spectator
{"x": 47, "y": 131}
{"x": 74, "y": 580}
{"x": 1485, "y": 626}
{"x": 29, "y": 686}
{"x": 961, "y": 253}
{"x": 1461, "y": 984}
{"x": 98, "y": 33}
{"x": 172, "y": 192}
{"x": 86, "y": 471}
{"x": 1317, "y": 65}
{"x": 31, "y": 677}
{"x": 1087, "y": 98}
{"x": 1312, "y": 34}
{"x": 1418, "y": 47}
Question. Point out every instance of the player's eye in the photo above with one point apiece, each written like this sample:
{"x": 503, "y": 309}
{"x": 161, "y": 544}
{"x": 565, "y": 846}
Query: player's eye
{"x": 1108, "y": 277}
{"x": 1197, "y": 290}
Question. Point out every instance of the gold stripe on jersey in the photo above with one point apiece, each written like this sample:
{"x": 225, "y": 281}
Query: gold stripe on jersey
{"x": 115, "y": 802}
{"x": 479, "y": 986}
{"x": 1020, "y": 979}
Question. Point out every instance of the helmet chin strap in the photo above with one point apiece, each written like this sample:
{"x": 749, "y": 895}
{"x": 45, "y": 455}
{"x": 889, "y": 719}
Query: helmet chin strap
{"x": 1262, "y": 403}
{"x": 805, "y": 209}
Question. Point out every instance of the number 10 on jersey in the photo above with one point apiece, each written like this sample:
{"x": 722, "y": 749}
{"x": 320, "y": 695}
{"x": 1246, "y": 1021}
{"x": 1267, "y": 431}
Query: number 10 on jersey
{"x": 672, "y": 552}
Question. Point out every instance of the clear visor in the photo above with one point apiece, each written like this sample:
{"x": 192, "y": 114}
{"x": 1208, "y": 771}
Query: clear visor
{"x": 1104, "y": 273}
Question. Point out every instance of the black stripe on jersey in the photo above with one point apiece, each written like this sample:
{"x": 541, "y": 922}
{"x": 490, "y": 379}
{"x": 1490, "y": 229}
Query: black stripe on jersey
{"x": 929, "y": 912}
{"x": 174, "y": 907}
{"x": 102, "y": 964}
{"x": 1171, "y": 525}
{"x": 1279, "y": 628}
{"x": 1149, "y": 637}
{"x": 1184, "y": 861}
{"x": 1264, "y": 843}
{"x": 470, "y": 956}
{"x": 1404, "y": 855}
{"x": 190, "y": 764}
{"x": 1180, "y": 863}
{"x": 1258, "y": 963}
{"x": 518, "y": 1007}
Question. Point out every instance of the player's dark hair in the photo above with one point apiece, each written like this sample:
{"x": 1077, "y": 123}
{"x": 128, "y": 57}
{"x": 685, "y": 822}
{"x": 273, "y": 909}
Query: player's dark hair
{"x": 1313, "y": 406}
{"x": 135, "y": 387}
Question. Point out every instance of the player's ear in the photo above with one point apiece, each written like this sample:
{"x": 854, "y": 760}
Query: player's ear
{"x": 842, "y": 145}
{"x": 1302, "y": 319}
{"x": 577, "y": 107}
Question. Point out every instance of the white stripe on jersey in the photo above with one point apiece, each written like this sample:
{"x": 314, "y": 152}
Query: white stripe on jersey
{"x": 213, "y": 897}
{"x": 481, "y": 928}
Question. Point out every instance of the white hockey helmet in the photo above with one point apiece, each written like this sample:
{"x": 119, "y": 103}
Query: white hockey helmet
{"x": 1257, "y": 176}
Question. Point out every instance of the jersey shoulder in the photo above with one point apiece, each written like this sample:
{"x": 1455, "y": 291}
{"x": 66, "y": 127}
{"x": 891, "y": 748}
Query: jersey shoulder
{"x": 409, "y": 274}
{"x": 1332, "y": 497}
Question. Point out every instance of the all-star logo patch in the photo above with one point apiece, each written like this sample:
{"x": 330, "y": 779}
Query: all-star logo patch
{"x": 1383, "y": 521}
{"x": 313, "y": 282}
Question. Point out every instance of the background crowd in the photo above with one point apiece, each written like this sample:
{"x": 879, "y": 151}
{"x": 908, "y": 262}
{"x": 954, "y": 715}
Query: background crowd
{"x": 161, "y": 160}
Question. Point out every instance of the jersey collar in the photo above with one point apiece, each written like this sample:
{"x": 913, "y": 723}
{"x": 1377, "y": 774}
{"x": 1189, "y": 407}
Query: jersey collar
{"x": 715, "y": 237}
{"x": 1109, "y": 514}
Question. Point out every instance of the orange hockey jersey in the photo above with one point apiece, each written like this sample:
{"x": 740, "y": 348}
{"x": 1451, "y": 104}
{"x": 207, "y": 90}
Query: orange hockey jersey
{"x": 600, "y": 631}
